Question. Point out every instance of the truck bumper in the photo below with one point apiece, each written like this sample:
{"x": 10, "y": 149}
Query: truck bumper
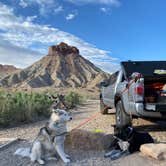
{"x": 140, "y": 111}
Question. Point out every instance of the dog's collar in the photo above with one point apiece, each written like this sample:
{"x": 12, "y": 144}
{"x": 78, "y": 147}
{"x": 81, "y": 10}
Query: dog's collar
{"x": 60, "y": 134}
{"x": 57, "y": 135}
{"x": 48, "y": 130}
{"x": 130, "y": 135}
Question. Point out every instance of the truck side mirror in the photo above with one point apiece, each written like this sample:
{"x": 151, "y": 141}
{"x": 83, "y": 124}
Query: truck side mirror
{"x": 104, "y": 84}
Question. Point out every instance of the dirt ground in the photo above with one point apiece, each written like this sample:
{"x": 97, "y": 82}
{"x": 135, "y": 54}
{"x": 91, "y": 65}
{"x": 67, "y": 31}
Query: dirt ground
{"x": 102, "y": 123}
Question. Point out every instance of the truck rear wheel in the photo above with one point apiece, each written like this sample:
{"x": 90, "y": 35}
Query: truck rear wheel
{"x": 103, "y": 107}
{"x": 122, "y": 119}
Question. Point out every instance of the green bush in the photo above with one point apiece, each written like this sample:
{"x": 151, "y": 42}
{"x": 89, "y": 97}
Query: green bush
{"x": 22, "y": 107}
{"x": 73, "y": 99}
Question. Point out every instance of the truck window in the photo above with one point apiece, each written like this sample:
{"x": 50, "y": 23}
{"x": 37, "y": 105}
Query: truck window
{"x": 113, "y": 77}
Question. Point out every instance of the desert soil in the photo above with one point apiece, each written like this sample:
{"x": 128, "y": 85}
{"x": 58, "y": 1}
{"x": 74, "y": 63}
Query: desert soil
{"x": 102, "y": 123}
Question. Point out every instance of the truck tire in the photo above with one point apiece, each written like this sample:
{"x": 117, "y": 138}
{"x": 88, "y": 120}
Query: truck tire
{"x": 103, "y": 107}
{"x": 122, "y": 119}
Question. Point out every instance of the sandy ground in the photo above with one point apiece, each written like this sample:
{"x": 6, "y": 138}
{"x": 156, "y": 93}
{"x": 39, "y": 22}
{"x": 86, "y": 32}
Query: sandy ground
{"x": 79, "y": 157}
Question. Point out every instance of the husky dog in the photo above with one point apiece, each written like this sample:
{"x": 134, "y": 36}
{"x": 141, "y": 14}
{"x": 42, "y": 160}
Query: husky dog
{"x": 50, "y": 139}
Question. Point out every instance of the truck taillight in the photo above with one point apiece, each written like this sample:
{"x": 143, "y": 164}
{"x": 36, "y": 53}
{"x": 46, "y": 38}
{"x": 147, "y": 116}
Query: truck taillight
{"x": 139, "y": 90}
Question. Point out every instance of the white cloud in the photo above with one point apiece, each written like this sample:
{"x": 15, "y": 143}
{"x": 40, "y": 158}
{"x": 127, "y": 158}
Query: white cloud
{"x": 104, "y": 9}
{"x": 23, "y": 4}
{"x": 5, "y": 10}
{"x": 106, "y": 2}
{"x": 23, "y": 35}
{"x": 19, "y": 57}
{"x": 31, "y": 18}
{"x": 45, "y": 7}
{"x": 107, "y": 66}
{"x": 58, "y": 9}
{"x": 70, "y": 16}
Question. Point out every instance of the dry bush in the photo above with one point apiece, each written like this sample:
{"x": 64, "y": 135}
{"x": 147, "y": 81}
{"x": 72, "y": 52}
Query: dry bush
{"x": 73, "y": 99}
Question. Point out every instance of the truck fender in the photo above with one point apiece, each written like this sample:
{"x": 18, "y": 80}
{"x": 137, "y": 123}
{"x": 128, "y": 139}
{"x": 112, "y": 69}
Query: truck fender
{"x": 118, "y": 98}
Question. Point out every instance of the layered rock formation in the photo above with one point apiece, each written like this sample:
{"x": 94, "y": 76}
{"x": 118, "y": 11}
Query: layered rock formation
{"x": 62, "y": 67}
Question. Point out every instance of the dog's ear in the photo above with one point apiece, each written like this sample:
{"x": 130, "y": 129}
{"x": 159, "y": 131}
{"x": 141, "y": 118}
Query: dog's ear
{"x": 51, "y": 97}
{"x": 54, "y": 97}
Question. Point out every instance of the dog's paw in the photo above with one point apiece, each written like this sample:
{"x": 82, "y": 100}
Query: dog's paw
{"x": 41, "y": 162}
{"x": 51, "y": 158}
{"x": 67, "y": 156}
{"x": 66, "y": 160}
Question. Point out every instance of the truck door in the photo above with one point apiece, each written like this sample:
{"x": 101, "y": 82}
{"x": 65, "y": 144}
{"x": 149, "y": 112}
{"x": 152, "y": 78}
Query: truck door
{"x": 110, "y": 90}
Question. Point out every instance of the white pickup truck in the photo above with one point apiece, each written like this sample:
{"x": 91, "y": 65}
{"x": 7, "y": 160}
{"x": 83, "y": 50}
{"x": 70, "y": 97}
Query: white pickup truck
{"x": 137, "y": 89}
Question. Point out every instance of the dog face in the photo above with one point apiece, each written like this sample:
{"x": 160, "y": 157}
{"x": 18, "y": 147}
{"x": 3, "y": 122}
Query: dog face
{"x": 124, "y": 133}
{"x": 60, "y": 115}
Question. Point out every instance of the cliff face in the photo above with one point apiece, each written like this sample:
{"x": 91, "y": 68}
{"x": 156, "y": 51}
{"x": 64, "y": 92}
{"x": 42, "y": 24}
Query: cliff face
{"x": 62, "y": 49}
{"x": 62, "y": 67}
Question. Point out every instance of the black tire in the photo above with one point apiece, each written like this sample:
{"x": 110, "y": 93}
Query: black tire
{"x": 103, "y": 107}
{"x": 122, "y": 119}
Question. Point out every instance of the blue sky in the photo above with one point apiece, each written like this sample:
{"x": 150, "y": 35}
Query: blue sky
{"x": 105, "y": 31}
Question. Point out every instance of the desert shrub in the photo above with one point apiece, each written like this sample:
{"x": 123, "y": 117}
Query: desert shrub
{"x": 72, "y": 99}
{"x": 22, "y": 107}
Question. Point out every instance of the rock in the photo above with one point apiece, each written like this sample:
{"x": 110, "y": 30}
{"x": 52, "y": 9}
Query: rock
{"x": 62, "y": 49}
{"x": 156, "y": 151}
{"x": 85, "y": 140}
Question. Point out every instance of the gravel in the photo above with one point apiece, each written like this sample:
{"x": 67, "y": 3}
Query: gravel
{"x": 102, "y": 123}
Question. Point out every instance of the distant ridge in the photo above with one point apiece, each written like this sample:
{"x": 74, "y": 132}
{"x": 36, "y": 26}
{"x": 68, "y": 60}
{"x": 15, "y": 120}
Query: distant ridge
{"x": 6, "y": 70}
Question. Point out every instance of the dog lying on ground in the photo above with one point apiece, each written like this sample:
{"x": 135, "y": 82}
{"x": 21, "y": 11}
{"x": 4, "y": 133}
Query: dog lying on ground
{"x": 50, "y": 139}
{"x": 127, "y": 140}
{"x": 133, "y": 137}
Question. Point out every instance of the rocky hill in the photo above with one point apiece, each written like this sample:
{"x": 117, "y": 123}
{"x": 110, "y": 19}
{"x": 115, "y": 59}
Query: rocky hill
{"x": 6, "y": 70}
{"x": 62, "y": 67}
